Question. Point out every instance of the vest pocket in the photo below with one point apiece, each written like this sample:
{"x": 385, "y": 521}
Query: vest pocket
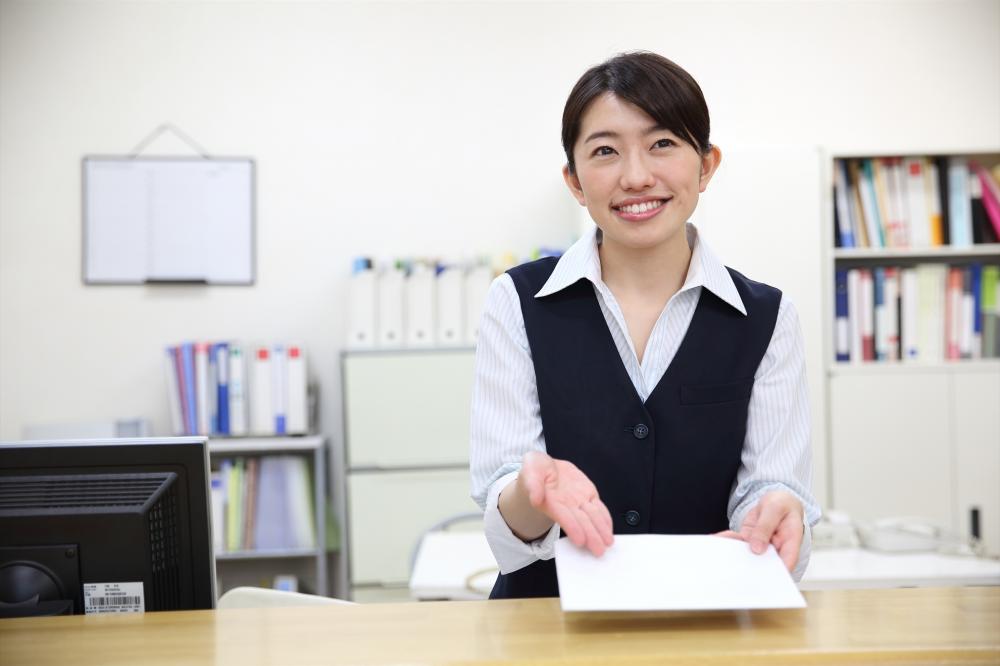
{"x": 716, "y": 393}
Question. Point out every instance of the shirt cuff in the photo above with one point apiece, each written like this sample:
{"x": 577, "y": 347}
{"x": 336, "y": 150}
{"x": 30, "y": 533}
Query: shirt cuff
{"x": 510, "y": 551}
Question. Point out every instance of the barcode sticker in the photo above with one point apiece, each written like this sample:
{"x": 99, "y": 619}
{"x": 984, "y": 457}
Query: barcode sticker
{"x": 113, "y": 598}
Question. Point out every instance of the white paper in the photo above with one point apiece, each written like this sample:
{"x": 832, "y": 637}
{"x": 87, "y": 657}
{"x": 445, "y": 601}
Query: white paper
{"x": 645, "y": 572}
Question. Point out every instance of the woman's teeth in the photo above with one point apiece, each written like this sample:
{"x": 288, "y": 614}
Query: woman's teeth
{"x": 636, "y": 209}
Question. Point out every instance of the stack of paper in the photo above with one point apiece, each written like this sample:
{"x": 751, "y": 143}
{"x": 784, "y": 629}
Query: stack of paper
{"x": 652, "y": 572}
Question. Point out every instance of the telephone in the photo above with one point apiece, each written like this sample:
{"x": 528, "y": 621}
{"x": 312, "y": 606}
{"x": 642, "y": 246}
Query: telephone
{"x": 902, "y": 534}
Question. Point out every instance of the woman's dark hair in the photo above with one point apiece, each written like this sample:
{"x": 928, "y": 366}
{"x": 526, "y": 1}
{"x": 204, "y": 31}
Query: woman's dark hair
{"x": 656, "y": 85}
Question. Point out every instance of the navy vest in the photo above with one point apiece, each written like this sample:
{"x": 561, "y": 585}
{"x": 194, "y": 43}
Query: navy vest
{"x": 666, "y": 466}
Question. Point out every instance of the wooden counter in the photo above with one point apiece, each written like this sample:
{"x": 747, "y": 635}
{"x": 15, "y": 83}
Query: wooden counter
{"x": 912, "y": 626}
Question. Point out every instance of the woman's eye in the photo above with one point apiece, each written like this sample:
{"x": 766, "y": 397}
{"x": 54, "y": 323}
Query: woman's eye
{"x": 604, "y": 150}
{"x": 663, "y": 143}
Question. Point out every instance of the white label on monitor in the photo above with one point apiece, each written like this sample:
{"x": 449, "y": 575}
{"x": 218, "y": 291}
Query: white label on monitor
{"x": 113, "y": 598}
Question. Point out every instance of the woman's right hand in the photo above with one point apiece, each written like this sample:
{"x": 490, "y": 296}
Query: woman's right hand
{"x": 562, "y": 492}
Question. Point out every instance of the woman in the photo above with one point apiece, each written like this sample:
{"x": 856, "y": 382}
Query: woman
{"x": 636, "y": 384}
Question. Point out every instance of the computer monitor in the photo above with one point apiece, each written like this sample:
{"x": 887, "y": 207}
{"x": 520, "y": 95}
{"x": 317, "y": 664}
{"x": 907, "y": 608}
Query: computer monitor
{"x": 117, "y": 525}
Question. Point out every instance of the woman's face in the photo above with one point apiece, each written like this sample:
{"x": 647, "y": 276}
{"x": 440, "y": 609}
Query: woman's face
{"x": 639, "y": 182}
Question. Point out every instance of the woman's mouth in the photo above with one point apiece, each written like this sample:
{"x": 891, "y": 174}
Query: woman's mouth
{"x": 637, "y": 212}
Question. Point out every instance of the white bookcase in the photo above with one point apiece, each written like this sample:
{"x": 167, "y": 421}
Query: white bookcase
{"x": 250, "y": 567}
{"x": 912, "y": 439}
{"x": 406, "y": 445}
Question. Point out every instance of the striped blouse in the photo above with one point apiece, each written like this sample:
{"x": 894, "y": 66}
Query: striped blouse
{"x": 506, "y": 417}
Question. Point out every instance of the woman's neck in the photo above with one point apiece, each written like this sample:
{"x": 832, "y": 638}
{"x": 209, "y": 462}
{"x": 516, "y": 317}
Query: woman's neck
{"x": 650, "y": 273}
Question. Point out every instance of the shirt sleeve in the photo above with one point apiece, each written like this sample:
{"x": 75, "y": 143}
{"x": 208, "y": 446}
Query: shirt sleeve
{"x": 776, "y": 452}
{"x": 506, "y": 422}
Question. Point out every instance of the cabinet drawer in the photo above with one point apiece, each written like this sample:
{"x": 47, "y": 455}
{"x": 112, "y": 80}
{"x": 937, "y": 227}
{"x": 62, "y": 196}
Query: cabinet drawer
{"x": 407, "y": 408}
{"x": 389, "y": 512}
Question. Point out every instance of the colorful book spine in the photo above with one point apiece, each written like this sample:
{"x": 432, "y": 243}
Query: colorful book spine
{"x": 842, "y": 338}
{"x": 220, "y": 352}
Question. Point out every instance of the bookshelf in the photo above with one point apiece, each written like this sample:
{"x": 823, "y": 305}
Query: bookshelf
{"x": 910, "y": 437}
{"x": 250, "y": 567}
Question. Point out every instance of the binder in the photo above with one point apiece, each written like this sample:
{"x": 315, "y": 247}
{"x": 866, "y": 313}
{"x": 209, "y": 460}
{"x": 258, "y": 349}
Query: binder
{"x": 891, "y": 299}
{"x": 953, "y": 314}
{"x": 201, "y": 386}
{"x": 279, "y": 389}
{"x": 212, "y": 392}
{"x": 238, "y": 398}
{"x": 966, "y": 317}
{"x": 190, "y": 395}
{"x": 884, "y": 202}
{"x": 845, "y": 225}
{"x": 854, "y": 314}
{"x": 174, "y": 393}
{"x": 870, "y": 204}
{"x": 908, "y": 314}
{"x": 861, "y": 238}
{"x": 298, "y": 407}
{"x": 959, "y": 203}
{"x": 261, "y": 399}
{"x": 931, "y": 180}
{"x": 220, "y": 352}
{"x": 843, "y": 342}
{"x": 390, "y": 318}
{"x": 218, "y": 503}
{"x": 477, "y": 285}
{"x": 450, "y": 284}
{"x": 899, "y": 193}
{"x": 990, "y": 190}
{"x": 990, "y": 314}
{"x": 916, "y": 202}
{"x": 362, "y": 308}
{"x": 300, "y": 505}
{"x": 931, "y": 320}
{"x": 420, "y": 307}
{"x": 867, "y": 289}
{"x": 975, "y": 298}
{"x": 271, "y": 530}
{"x": 881, "y": 315}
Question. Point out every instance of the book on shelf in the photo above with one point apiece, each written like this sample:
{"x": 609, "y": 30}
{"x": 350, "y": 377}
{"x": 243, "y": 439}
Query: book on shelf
{"x": 924, "y": 313}
{"x": 213, "y": 391}
{"x": 263, "y": 503}
{"x": 915, "y": 202}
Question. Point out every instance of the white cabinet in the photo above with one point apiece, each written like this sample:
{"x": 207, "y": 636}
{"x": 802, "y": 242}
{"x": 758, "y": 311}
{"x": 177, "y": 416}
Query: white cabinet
{"x": 977, "y": 453}
{"x": 406, "y": 451}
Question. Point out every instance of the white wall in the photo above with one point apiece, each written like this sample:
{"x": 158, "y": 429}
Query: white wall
{"x": 403, "y": 128}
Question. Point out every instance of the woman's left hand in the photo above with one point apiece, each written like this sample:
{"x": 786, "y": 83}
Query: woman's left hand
{"x": 777, "y": 519}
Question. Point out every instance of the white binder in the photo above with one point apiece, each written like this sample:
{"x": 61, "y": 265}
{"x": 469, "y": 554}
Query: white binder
{"x": 450, "y": 286}
{"x": 420, "y": 307}
{"x": 390, "y": 317}
{"x": 477, "y": 284}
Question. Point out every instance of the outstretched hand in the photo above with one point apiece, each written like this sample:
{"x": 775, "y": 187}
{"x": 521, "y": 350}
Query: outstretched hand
{"x": 776, "y": 519}
{"x": 562, "y": 492}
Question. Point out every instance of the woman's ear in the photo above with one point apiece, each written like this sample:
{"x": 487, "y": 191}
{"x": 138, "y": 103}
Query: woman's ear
{"x": 573, "y": 183}
{"x": 709, "y": 163}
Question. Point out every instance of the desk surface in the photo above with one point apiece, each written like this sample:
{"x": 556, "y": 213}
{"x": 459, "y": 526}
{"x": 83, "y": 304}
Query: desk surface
{"x": 913, "y": 626}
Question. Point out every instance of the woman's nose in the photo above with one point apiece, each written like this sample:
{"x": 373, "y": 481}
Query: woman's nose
{"x": 636, "y": 174}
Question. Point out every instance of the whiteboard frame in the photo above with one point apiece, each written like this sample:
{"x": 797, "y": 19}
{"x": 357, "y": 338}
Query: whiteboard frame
{"x": 170, "y": 159}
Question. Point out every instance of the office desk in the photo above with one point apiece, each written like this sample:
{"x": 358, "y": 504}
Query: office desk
{"x": 912, "y": 626}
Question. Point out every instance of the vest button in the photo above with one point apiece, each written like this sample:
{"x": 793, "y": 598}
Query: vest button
{"x": 632, "y": 518}
{"x": 641, "y": 431}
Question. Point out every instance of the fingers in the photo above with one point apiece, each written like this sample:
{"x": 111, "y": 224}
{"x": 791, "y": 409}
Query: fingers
{"x": 771, "y": 515}
{"x": 599, "y": 516}
{"x": 788, "y": 539}
{"x": 595, "y": 542}
{"x": 729, "y": 534}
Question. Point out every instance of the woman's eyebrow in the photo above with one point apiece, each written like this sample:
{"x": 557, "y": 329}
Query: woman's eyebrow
{"x": 608, "y": 134}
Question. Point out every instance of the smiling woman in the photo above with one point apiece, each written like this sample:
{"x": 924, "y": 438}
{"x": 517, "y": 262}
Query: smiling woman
{"x": 636, "y": 384}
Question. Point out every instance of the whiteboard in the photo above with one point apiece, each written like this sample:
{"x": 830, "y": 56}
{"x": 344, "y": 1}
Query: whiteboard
{"x": 168, "y": 219}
